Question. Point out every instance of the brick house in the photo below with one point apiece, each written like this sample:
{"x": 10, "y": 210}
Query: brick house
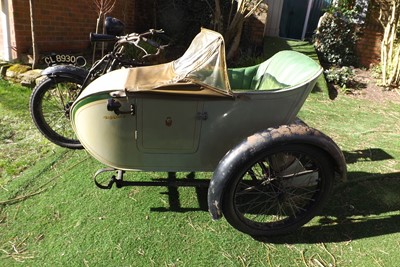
{"x": 63, "y": 27}
{"x": 59, "y": 25}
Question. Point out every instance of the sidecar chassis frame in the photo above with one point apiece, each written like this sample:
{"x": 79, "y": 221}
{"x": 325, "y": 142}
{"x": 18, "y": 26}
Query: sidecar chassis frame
{"x": 297, "y": 133}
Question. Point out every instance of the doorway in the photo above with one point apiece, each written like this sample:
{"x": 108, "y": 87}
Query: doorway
{"x": 300, "y": 18}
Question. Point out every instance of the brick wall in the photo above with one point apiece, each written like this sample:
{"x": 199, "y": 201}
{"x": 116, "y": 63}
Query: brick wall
{"x": 254, "y": 27}
{"x": 64, "y": 25}
{"x": 369, "y": 44}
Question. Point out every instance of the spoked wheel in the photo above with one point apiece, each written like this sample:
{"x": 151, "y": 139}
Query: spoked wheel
{"x": 50, "y": 104}
{"x": 278, "y": 192}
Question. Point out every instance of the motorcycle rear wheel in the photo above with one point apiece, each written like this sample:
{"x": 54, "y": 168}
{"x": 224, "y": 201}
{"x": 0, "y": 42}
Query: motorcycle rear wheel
{"x": 49, "y": 106}
{"x": 280, "y": 191}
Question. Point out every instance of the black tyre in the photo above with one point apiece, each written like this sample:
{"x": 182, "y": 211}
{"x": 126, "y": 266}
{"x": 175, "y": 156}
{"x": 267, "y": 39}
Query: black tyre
{"x": 49, "y": 106}
{"x": 278, "y": 192}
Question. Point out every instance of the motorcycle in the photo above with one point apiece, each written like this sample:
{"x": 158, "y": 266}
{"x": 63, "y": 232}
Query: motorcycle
{"x": 271, "y": 172}
{"x": 52, "y": 98}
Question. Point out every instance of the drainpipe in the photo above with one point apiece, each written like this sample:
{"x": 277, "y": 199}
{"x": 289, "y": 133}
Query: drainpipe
{"x": 310, "y": 4}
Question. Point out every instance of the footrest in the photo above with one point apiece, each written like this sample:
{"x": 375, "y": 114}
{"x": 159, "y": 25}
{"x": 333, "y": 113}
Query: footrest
{"x": 114, "y": 179}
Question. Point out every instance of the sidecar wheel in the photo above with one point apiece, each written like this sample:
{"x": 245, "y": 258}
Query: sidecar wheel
{"x": 278, "y": 192}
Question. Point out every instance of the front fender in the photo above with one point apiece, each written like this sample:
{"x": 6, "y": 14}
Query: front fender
{"x": 261, "y": 141}
{"x": 65, "y": 70}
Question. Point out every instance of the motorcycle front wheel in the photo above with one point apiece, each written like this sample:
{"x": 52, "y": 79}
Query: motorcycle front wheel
{"x": 280, "y": 191}
{"x": 50, "y": 104}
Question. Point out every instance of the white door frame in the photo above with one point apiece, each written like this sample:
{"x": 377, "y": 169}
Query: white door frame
{"x": 274, "y": 17}
{"x": 5, "y": 24}
{"x": 310, "y": 4}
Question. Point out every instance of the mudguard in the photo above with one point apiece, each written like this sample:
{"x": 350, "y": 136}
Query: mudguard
{"x": 264, "y": 140}
{"x": 65, "y": 70}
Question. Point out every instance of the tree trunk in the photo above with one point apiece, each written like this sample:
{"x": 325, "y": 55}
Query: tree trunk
{"x": 235, "y": 42}
{"x": 390, "y": 49}
{"x": 219, "y": 22}
{"x": 103, "y": 7}
{"x": 34, "y": 46}
{"x": 233, "y": 32}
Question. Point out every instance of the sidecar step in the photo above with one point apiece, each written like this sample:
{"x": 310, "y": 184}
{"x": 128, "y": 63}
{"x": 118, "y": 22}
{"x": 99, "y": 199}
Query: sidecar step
{"x": 171, "y": 181}
{"x": 114, "y": 179}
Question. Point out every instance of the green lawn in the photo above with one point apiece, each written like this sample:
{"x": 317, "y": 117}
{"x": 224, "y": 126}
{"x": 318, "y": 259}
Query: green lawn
{"x": 273, "y": 45}
{"x": 51, "y": 213}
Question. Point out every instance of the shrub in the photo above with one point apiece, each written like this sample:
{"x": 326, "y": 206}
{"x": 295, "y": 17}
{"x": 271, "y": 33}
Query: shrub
{"x": 335, "y": 39}
{"x": 343, "y": 76}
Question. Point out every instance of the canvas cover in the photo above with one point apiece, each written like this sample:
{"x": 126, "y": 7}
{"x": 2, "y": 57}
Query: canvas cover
{"x": 201, "y": 70}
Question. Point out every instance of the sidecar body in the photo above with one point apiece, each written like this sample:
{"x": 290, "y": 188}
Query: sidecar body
{"x": 271, "y": 173}
{"x": 187, "y": 114}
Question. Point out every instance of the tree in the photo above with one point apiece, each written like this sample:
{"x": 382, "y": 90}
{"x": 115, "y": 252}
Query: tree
{"x": 34, "y": 45}
{"x": 239, "y": 12}
{"x": 336, "y": 37}
{"x": 390, "y": 48}
{"x": 103, "y": 8}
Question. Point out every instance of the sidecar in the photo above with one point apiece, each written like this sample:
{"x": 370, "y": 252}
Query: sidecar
{"x": 271, "y": 171}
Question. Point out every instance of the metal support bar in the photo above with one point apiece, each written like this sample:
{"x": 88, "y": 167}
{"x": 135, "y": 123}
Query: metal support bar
{"x": 171, "y": 181}
{"x": 164, "y": 182}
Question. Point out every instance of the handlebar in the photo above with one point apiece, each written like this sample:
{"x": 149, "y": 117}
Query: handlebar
{"x": 129, "y": 38}
{"x": 132, "y": 38}
{"x": 151, "y": 42}
{"x": 98, "y": 37}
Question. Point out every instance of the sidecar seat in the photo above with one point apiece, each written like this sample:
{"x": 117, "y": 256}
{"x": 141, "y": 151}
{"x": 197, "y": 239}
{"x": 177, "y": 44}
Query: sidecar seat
{"x": 284, "y": 69}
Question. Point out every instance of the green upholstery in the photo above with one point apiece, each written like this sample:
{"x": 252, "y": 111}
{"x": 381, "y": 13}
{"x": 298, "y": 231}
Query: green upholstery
{"x": 285, "y": 69}
{"x": 242, "y": 78}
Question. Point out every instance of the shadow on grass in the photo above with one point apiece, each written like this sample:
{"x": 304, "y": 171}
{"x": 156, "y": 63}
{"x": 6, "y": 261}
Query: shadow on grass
{"x": 362, "y": 208}
{"x": 174, "y": 198}
{"x": 365, "y": 206}
{"x": 371, "y": 154}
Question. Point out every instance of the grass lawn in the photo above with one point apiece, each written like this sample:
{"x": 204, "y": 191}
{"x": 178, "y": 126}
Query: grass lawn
{"x": 273, "y": 45}
{"x": 51, "y": 213}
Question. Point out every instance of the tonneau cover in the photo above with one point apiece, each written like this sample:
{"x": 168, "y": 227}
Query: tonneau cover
{"x": 201, "y": 70}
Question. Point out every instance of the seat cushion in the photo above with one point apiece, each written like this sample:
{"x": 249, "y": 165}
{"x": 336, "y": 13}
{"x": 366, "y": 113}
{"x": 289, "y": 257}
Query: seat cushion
{"x": 285, "y": 69}
{"x": 242, "y": 78}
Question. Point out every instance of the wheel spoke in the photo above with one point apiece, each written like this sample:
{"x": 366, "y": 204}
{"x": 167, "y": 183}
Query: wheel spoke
{"x": 280, "y": 190}
{"x": 50, "y": 109}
